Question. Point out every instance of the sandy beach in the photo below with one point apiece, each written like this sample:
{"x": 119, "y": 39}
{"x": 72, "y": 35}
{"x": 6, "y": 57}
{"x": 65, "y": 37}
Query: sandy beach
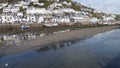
{"x": 52, "y": 38}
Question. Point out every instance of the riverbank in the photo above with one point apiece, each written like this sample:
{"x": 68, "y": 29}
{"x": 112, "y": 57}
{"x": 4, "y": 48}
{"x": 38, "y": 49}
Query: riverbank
{"x": 53, "y": 38}
{"x": 33, "y": 28}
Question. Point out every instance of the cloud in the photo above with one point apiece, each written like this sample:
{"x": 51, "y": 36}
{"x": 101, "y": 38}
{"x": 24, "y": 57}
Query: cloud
{"x": 109, "y": 6}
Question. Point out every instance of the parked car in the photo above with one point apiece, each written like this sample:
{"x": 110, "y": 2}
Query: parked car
{"x": 25, "y": 27}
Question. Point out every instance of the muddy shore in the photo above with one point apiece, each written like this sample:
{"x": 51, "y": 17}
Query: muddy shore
{"x": 53, "y": 38}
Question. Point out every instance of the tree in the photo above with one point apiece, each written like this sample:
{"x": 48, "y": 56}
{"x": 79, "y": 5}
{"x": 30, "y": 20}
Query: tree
{"x": 117, "y": 17}
{"x": 75, "y": 6}
{"x": 31, "y": 4}
{"x": 69, "y": 0}
{"x": 21, "y": 9}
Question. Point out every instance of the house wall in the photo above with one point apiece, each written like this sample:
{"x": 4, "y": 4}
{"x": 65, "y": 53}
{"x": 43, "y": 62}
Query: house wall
{"x": 7, "y": 19}
{"x": 31, "y": 19}
{"x": 40, "y": 20}
{"x": 61, "y": 20}
{"x": 12, "y": 10}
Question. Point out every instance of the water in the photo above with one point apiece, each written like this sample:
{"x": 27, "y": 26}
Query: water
{"x": 100, "y": 51}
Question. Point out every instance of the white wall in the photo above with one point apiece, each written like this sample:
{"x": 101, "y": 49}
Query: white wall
{"x": 7, "y": 19}
{"x": 41, "y": 19}
{"x": 61, "y": 20}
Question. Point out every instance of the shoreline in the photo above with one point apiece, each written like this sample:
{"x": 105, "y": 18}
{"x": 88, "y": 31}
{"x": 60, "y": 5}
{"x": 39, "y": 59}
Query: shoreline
{"x": 55, "y": 38}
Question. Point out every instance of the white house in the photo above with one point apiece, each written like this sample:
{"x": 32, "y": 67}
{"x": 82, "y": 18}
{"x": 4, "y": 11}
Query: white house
{"x": 108, "y": 18}
{"x": 68, "y": 10}
{"x": 41, "y": 4}
{"x": 66, "y": 3}
{"x": 34, "y": 0}
{"x": 4, "y": 4}
{"x": 61, "y": 20}
{"x": 25, "y": 7}
{"x": 17, "y": 19}
{"x": 10, "y": 9}
{"x": 18, "y": 5}
{"x": 33, "y": 10}
{"x": 20, "y": 14}
{"x": 77, "y": 19}
{"x": 31, "y": 19}
{"x": 94, "y": 20}
{"x": 7, "y": 18}
{"x": 55, "y": 5}
{"x": 40, "y": 19}
{"x": 23, "y": 3}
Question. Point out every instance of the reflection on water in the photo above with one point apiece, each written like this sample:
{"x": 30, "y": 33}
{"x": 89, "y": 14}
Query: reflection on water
{"x": 100, "y": 51}
{"x": 18, "y": 38}
{"x": 56, "y": 46}
{"x": 115, "y": 63}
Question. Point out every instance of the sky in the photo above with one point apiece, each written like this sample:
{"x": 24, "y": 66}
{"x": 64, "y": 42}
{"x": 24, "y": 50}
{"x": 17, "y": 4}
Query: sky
{"x": 108, "y": 6}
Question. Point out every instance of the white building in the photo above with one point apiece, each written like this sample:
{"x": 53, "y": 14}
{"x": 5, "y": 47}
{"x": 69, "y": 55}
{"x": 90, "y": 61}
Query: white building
{"x": 7, "y": 18}
{"x": 18, "y": 5}
{"x": 31, "y": 19}
{"x": 40, "y": 19}
{"x": 77, "y": 19}
{"x": 61, "y": 20}
{"x": 55, "y": 5}
{"x": 34, "y": 19}
{"x": 68, "y": 10}
{"x": 23, "y": 3}
{"x": 17, "y": 19}
{"x": 94, "y": 20}
{"x": 10, "y": 9}
{"x": 33, "y": 0}
{"x": 20, "y": 14}
{"x": 108, "y": 18}
{"x": 4, "y": 4}
{"x": 25, "y": 7}
{"x": 32, "y": 10}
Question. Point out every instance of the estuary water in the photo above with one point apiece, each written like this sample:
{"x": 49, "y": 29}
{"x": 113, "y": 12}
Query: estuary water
{"x": 100, "y": 51}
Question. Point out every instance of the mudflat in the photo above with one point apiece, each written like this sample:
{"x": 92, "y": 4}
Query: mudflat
{"x": 52, "y": 38}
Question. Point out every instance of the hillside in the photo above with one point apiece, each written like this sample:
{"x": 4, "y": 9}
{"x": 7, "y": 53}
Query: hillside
{"x": 10, "y": 1}
{"x": 65, "y": 4}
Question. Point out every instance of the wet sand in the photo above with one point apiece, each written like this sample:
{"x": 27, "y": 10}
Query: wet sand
{"x": 52, "y": 38}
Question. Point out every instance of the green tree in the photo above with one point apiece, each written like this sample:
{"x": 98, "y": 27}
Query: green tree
{"x": 69, "y": 0}
{"x": 117, "y": 17}
{"x": 21, "y": 9}
{"x": 31, "y": 4}
{"x": 75, "y": 6}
